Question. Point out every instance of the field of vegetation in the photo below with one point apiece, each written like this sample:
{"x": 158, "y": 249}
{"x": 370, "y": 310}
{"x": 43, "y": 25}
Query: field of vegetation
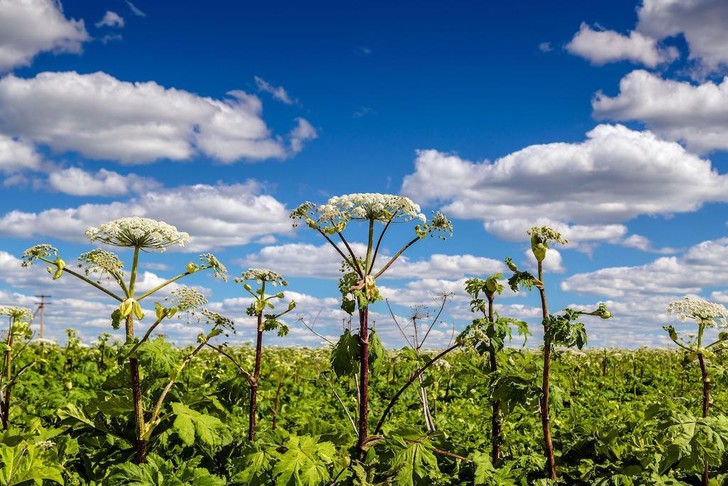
{"x": 619, "y": 417}
{"x": 144, "y": 412}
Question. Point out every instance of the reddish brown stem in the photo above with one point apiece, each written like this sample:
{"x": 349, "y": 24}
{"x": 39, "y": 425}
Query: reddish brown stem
{"x": 363, "y": 382}
{"x": 545, "y": 409}
{"x": 8, "y": 378}
{"x": 706, "y": 406}
{"x": 496, "y": 419}
{"x": 253, "y": 409}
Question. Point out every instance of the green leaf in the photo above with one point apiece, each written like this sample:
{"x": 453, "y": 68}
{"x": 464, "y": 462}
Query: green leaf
{"x": 190, "y": 423}
{"x": 345, "y": 355}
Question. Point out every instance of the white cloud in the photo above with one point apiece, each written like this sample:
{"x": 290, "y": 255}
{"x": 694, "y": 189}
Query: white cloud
{"x": 16, "y": 155}
{"x": 702, "y": 22}
{"x": 704, "y": 265}
{"x": 306, "y": 260}
{"x": 215, "y": 216}
{"x": 78, "y": 182}
{"x": 680, "y": 111}
{"x": 111, "y": 19}
{"x": 545, "y": 47}
{"x": 642, "y": 243}
{"x": 301, "y": 133}
{"x": 102, "y": 117}
{"x": 613, "y": 176}
{"x": 28, "y": 27}
{"x": 605, "y": 46}
{"x": 135, "y": 10}
{"x": 278, "y": 92}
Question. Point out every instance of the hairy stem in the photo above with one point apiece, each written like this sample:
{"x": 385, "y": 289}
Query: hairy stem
{"x": 253, "y": 408}
{"x": 544, "y": 405}
{"x": 363, "y": 382}
{"x": 8, "y": 377}
{"x": 706, "y": 406}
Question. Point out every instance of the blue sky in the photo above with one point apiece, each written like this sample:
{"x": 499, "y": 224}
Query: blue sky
{"x": 603, "y": 119}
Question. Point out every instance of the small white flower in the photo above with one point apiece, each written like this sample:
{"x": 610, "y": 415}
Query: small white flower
{"x": 261, "y": 275}
{"x": 18, "y": 314}
{"x": 702, "y": 311}
{"x": 135, "y": 232}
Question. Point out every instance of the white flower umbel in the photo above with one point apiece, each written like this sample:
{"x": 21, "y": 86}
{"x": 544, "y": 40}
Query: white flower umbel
{"x": 135, "y": 232}
{"x": 700, "y": 310}
{"x": 261, "y": 275}
{"x": 103, "y": 262}
{"x": 17, "y": 314}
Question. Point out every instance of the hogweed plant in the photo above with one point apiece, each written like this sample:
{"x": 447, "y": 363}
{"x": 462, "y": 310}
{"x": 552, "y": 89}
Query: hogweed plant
{"x": 358, "y": 284}
{"x": 558, "y": 330}
{"x": 19, "y": 334}
{"x": 706, "y": 315}
{"x": 488, "y": 335}
{"x": 99, "y": 266}
{"x": 265, "y": 322}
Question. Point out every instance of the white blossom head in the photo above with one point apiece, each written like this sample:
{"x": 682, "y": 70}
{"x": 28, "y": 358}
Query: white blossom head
{"x": 44, "y": 250}
{"x": 135, "y": 232}
{"x": 218, "y": 268}
{"x": 17, "y": 314}
{"x": 261, "y": 275}
{"x": 187, "y": 299}
{"x": 700, "y": 310}
{"x": 339, "y": 210}
{"x": 101, "y": 261}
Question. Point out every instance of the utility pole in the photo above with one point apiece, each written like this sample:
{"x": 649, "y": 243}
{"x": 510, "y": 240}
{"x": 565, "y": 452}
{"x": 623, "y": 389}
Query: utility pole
{"x": 41, "y": 309}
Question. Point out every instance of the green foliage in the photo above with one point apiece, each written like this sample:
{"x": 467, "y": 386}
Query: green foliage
{"x": 159, "y": 472}
{"x": 191, "y": 424}
{"x": 27, "y": 461}
{"x": 563, "y": 330}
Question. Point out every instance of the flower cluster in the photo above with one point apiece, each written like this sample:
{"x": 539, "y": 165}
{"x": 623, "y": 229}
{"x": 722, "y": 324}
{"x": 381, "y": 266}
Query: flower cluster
{"x": 219, "y": 320}
{"x": 102, "y": 261}
{"x": 336, "y": 213}
{"x": 261, "y": 275}
{"x": 36, "y": 252}
{"x": 218, "y": 268}
{"x": 702, "y": 311}
{"x": 135, "y": 232}
{"x": 187, "y": 298}
{"x": 540, "y": 239}
{"x": 18, "y": 314}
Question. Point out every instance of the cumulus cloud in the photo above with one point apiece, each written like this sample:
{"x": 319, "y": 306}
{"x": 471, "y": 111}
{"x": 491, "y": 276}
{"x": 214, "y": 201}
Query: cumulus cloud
{"x": 640, "y": 242}
{"x": 102, "y": 117}
{"x": 693, "y": 114}
{"x": 701, "y": 22}
{"x": 214, "y": 216}
{"x": 78, "y": 182}
{"x": 278, "y": 92}
{"x": 111, "y": 19}
{"x": 615, "y": 175}
{"x": 16, "y": 155}
{"x": 701, "y": 267}
{"x": 306, "y": 260}
{"x": 605, "y": 46}
{"x": 28, "y": 27}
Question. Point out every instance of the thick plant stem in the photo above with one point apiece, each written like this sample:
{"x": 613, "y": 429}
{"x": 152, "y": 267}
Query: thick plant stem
{"x": 496, "y": 420}
{"x": 136, "y": 390}
{"x": 8, "y": 378}
{"x": 544, "y": 405}
{"x": 253, "y": 409}
{"x": 706, "y": 406}
{"x": 363, "y": 382}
